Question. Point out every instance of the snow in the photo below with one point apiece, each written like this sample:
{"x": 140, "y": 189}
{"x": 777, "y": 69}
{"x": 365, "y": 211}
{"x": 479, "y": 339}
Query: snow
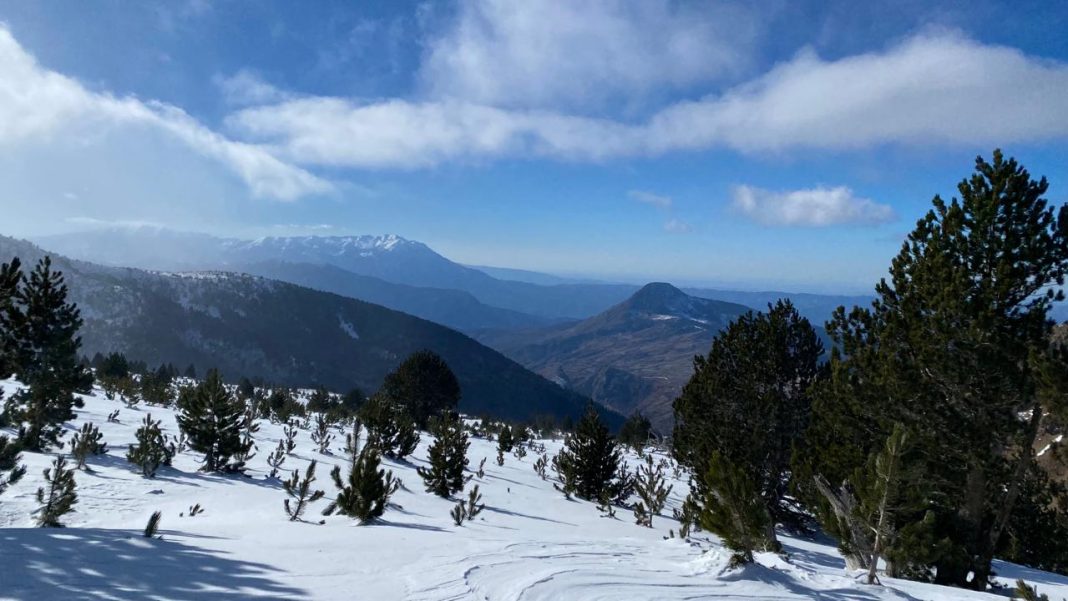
{"x": 530, "y": 543}
{"x": 348, "y": 328}
{"x": 1046, "y": 448}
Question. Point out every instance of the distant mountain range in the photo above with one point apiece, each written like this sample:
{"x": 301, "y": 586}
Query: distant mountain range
{"x": 635, "y": 356}
{"x": 529, "y": 298}
{"x": 285, "y": 334}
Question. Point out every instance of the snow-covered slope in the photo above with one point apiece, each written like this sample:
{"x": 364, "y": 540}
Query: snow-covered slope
{"x": 530, "y": 543}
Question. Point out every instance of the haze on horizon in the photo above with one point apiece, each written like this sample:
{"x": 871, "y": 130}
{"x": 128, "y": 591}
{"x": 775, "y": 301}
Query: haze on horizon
{"x": 783, "y": 145}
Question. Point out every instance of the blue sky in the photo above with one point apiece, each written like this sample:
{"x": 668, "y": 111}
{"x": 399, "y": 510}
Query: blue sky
{"x": 754, "y": 145}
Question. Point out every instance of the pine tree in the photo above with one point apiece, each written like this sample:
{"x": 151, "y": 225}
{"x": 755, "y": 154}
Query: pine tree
{"x": 88, "y": 441}
{"x": 11, "y": 471}
{"x": 748, "y": 400}
{"x": 651, "y": 489}
{"x": 277, "y": 458}
{"x": 60, "y": 497}
{"x": 152, "y": 527}
{"x": 366, "y": 492}
{"x": 424, "y": 385}
{"x": 953, "y": 349}
{"x": 213, "y": 421}
{"x": 589, "y": 464}
{"x": 301, "y": 492}
{"x": 636, "y": 432}
{"x": 10, "y": 316}
{"x": 447, "y": 456}
{"x": 151, "y": 450}
{"x": 474, "y": 503}
{"x": 45, "y": 352}
{"x": 390, "y": 428}
{"x": 729, "y": 505}
{"x": 505, "y": 442}
{"x": 321, "y": 434}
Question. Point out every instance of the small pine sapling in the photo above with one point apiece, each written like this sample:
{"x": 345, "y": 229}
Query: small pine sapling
{"x": 86, "y": 442}
{"x": 60, "y": 497}
{"x": 194, "y": 511}
{"x": 301, "y": 492}
{"x": 151, "y": 450}
{"x": 152, "y": 527}
{"x": 11, "y": 471}
{"x": 650, "y": 485}
{"x": 447, "y": 456}
{"x": 520, "y": 452}
{"x": 604, "y": 505}
{"x": 366, "y": 492}
{"x": 113, "y": 417}
{"x": 540, "y": 466}
{"x": 290, "y": 433}
{"x": 481, "y": 473}
{"x": 474, "y": 503}
{"x": 458, "y": 513}
{"x": 276, "y": 459}
{"x": 321, "y": 434}
{"x": 500, "y": 457}
{"x": 1028, "y": 593}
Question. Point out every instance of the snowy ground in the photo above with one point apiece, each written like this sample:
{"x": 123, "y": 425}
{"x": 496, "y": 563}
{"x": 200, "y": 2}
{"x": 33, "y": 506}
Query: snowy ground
{"x": 530, "y": 543}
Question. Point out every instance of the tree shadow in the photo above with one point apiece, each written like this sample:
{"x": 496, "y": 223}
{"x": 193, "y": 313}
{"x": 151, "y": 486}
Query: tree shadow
{"x": 527, "y": 516}
{"x": 93, "y": 563}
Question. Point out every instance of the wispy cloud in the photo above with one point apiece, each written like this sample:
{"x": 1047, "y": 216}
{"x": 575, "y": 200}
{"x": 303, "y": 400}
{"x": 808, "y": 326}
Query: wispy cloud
{"x": 813, "y": 207}
{"x": 246, "y": 88}
{"x": 920, "y": 91}
{"x": 677, "y": 226}
{"x": 38, "y": 104}
{"x": 656, "y": 200}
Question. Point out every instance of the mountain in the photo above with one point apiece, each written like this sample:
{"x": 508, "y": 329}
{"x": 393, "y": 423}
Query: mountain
{"x": 286, "y": 334}
{"x": 817, "y": 308}
{"x": 390, "y": 258}
{"x": 454, "y": 308}
{"x": 635, "y": 356}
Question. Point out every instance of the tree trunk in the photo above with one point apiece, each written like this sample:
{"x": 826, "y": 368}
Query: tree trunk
{"x": 843, "y": 503}
{"x": 1001, "y": 519}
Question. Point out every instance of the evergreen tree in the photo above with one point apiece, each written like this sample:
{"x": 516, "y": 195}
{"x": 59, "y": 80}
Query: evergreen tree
{"x": 505, "y": 442}
{"x": 320, "y": 401}
{"x": 589, "y": 463}
{"x": 156, "y": 387}
{"x": 46, "y": 357}
{"x": 277, "y": 458}
{"x": 11, "y": 471}
{"x": 321, "y": 435}
{"x": 447, "y": 456}
{"x": 88, "y": 441}
{"x": 213, "y": 421}
{"x": 10, "y": 316}
{"x": 729, "y": 505}
{"x": 151, "y": 450}
{"x": 954, "y": 348}
{"x": 301, "y": 492}
{"x": 424, "y": 385}
{"x": 111, "y": 370}
{"x": 652, "y": 490}
{"x": 366, "y": 492}
{"x": 390, "y": 428}
{"x": 636, "y": 432}
{"x": 748, "y": 400}
{"x": 60, "y": 497}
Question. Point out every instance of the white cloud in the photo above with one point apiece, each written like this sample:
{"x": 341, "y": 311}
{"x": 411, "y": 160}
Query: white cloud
{"x": 37, "y": 105}
{"x": 546, "y": 53}
{"x": 248, "y": 88}
{"x": 677, "y": 226}
{"x": 813, "y": 207}
{"x": 935, "y": 88}
{"x": 657, "y": 200}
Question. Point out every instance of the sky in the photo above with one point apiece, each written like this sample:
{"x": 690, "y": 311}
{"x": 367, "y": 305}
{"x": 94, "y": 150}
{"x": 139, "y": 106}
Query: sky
{"x": 753, "y": 145}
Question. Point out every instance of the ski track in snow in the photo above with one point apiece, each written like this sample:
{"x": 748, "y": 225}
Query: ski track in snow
{"x": 529, "y": 544}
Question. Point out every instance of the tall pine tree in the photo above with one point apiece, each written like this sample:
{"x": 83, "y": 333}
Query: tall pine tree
{"x": 45, "y": 349}
{"x": 424, "y": 385}
{"x": 748, "y": 401}
{"x": 213, "y": 418}
{"x": 589, "y": 464}
{"x": 447, "y": 456}
{"x": 953, "y": 349}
